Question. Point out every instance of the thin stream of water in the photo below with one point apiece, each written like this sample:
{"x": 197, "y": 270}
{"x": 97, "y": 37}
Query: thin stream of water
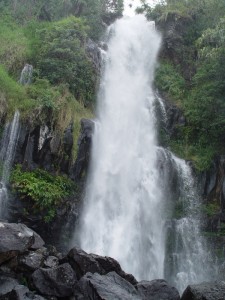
{"x": 7, "y": 152}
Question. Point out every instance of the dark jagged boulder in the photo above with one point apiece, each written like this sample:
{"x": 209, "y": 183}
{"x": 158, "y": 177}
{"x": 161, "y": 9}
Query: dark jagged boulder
{"x": 21, "y": 292}
{"x": 38, "y": 242}
{"x": 59, "y": 281}
{"x": 157, "y": 289}
{"x": 83, "y": 262}
{"x": 107, "y": 287}
{"x": 205, "y": 291}
{"x": 109, "y": 264}
{"x": 84, "y": 149}
{"x": 7, "y": 284}
{"x": 15, "y": 239}
{"x": 30, "y": 261}
{"x": 51, "y": 262}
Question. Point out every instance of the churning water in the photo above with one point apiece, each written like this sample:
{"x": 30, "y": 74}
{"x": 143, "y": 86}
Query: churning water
{"x": 131, "y": 180}
{"x": 122, "y": 216}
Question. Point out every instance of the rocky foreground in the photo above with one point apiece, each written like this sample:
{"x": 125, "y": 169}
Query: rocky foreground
{"x": 30, "y": 271}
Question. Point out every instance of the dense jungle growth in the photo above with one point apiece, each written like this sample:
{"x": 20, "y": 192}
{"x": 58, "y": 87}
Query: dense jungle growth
{"x": 191, "y": 73}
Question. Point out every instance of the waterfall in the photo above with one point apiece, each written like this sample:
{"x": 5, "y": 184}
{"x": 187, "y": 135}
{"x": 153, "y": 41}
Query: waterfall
{"x": 134, "y": 186}
{"x": 191, "y": 262}
{"x": 162, "y": 108}
{"x": 7, "y": 152}
{"x": 26, "y": 75}
{"x": 123, "y": 210}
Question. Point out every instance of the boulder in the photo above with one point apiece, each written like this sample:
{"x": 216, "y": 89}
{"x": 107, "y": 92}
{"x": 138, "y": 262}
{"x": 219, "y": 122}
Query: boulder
{"x": 83, "y": 263}
{"x": 30, "y": 261}
{"x": 107, "y": 287}
{"x": 15, "y": 239}
{"x": 7, "y": 284}
{"x": 58, "y": 282}
{"x": 205, "y": 291}
{"x": 157, "y": 289}
{"x": 21, "y": 292}
{"x": 109, "y": 264}
{"x": 38, "y": 242}
{"x": 51, "y": 262}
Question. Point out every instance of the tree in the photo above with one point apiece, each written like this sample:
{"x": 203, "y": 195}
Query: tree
{"x": 61, "y": 57}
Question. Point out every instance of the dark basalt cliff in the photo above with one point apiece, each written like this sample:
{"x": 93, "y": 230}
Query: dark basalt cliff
{"x": 41, "y": 147}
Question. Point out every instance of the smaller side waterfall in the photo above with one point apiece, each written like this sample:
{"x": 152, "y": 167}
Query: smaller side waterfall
{"x": 191, "y": 262}
{"x": 162, "y": 108}
{"x": 7, "y": 152}
{"x": 26, "y": 75}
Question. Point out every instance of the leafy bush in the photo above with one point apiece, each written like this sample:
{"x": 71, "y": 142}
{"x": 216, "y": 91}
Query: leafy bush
{"x": 15, "y": 94}
{"x": 44, "y": 190}
{"x": 201, "y": 154}
{"x": 169, "y": 80}
{"x": 211, "y": 209}
{"x": 61, "y": 57}
{"x": 58, "y": 105}
{"x": 14, "y": 45}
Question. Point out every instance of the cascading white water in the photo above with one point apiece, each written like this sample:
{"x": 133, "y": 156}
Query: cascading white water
{"x": 188, "y": 251}
{"x": 133, "y": 184}
{"x": 7, "y": 152}
{"x": 123, "y": 210}
{"x": 26, "y": 75}
{"x": 191, "y": 261}
{"x": 162, "y": 108}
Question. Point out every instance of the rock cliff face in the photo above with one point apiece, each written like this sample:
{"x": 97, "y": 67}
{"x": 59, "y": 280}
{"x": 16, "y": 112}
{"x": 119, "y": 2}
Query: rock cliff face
{"x": 84, "y": 149}
{"x": 214, "y": 194}
{"x": 173, "y": 29}
{"x": 42, "y": 147}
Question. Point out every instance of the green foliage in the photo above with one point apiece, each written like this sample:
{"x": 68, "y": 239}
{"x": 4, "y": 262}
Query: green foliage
{"x": 201, "y": 154}
{"x": 61, "y": 57}
{"x": 205, "y": 105}
{"x": 15, "y": 94}
{"x": 44, "y": 190}
{"x": 169, "y": 80}
{"x": 198, "y": 86}
{"x": 14, "y": 45}
{"x": 40, "y": 103}
{"x": 211, "y": 209}
{"x": 92, "y": 11}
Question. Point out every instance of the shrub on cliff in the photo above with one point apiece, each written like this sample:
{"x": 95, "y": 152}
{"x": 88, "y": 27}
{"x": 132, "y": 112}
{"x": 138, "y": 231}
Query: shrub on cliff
{"x": 45, "y": 191}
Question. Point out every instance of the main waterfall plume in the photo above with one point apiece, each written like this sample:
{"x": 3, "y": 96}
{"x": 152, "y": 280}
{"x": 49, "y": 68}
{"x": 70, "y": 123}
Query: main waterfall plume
{"x": 123, "y": 210}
